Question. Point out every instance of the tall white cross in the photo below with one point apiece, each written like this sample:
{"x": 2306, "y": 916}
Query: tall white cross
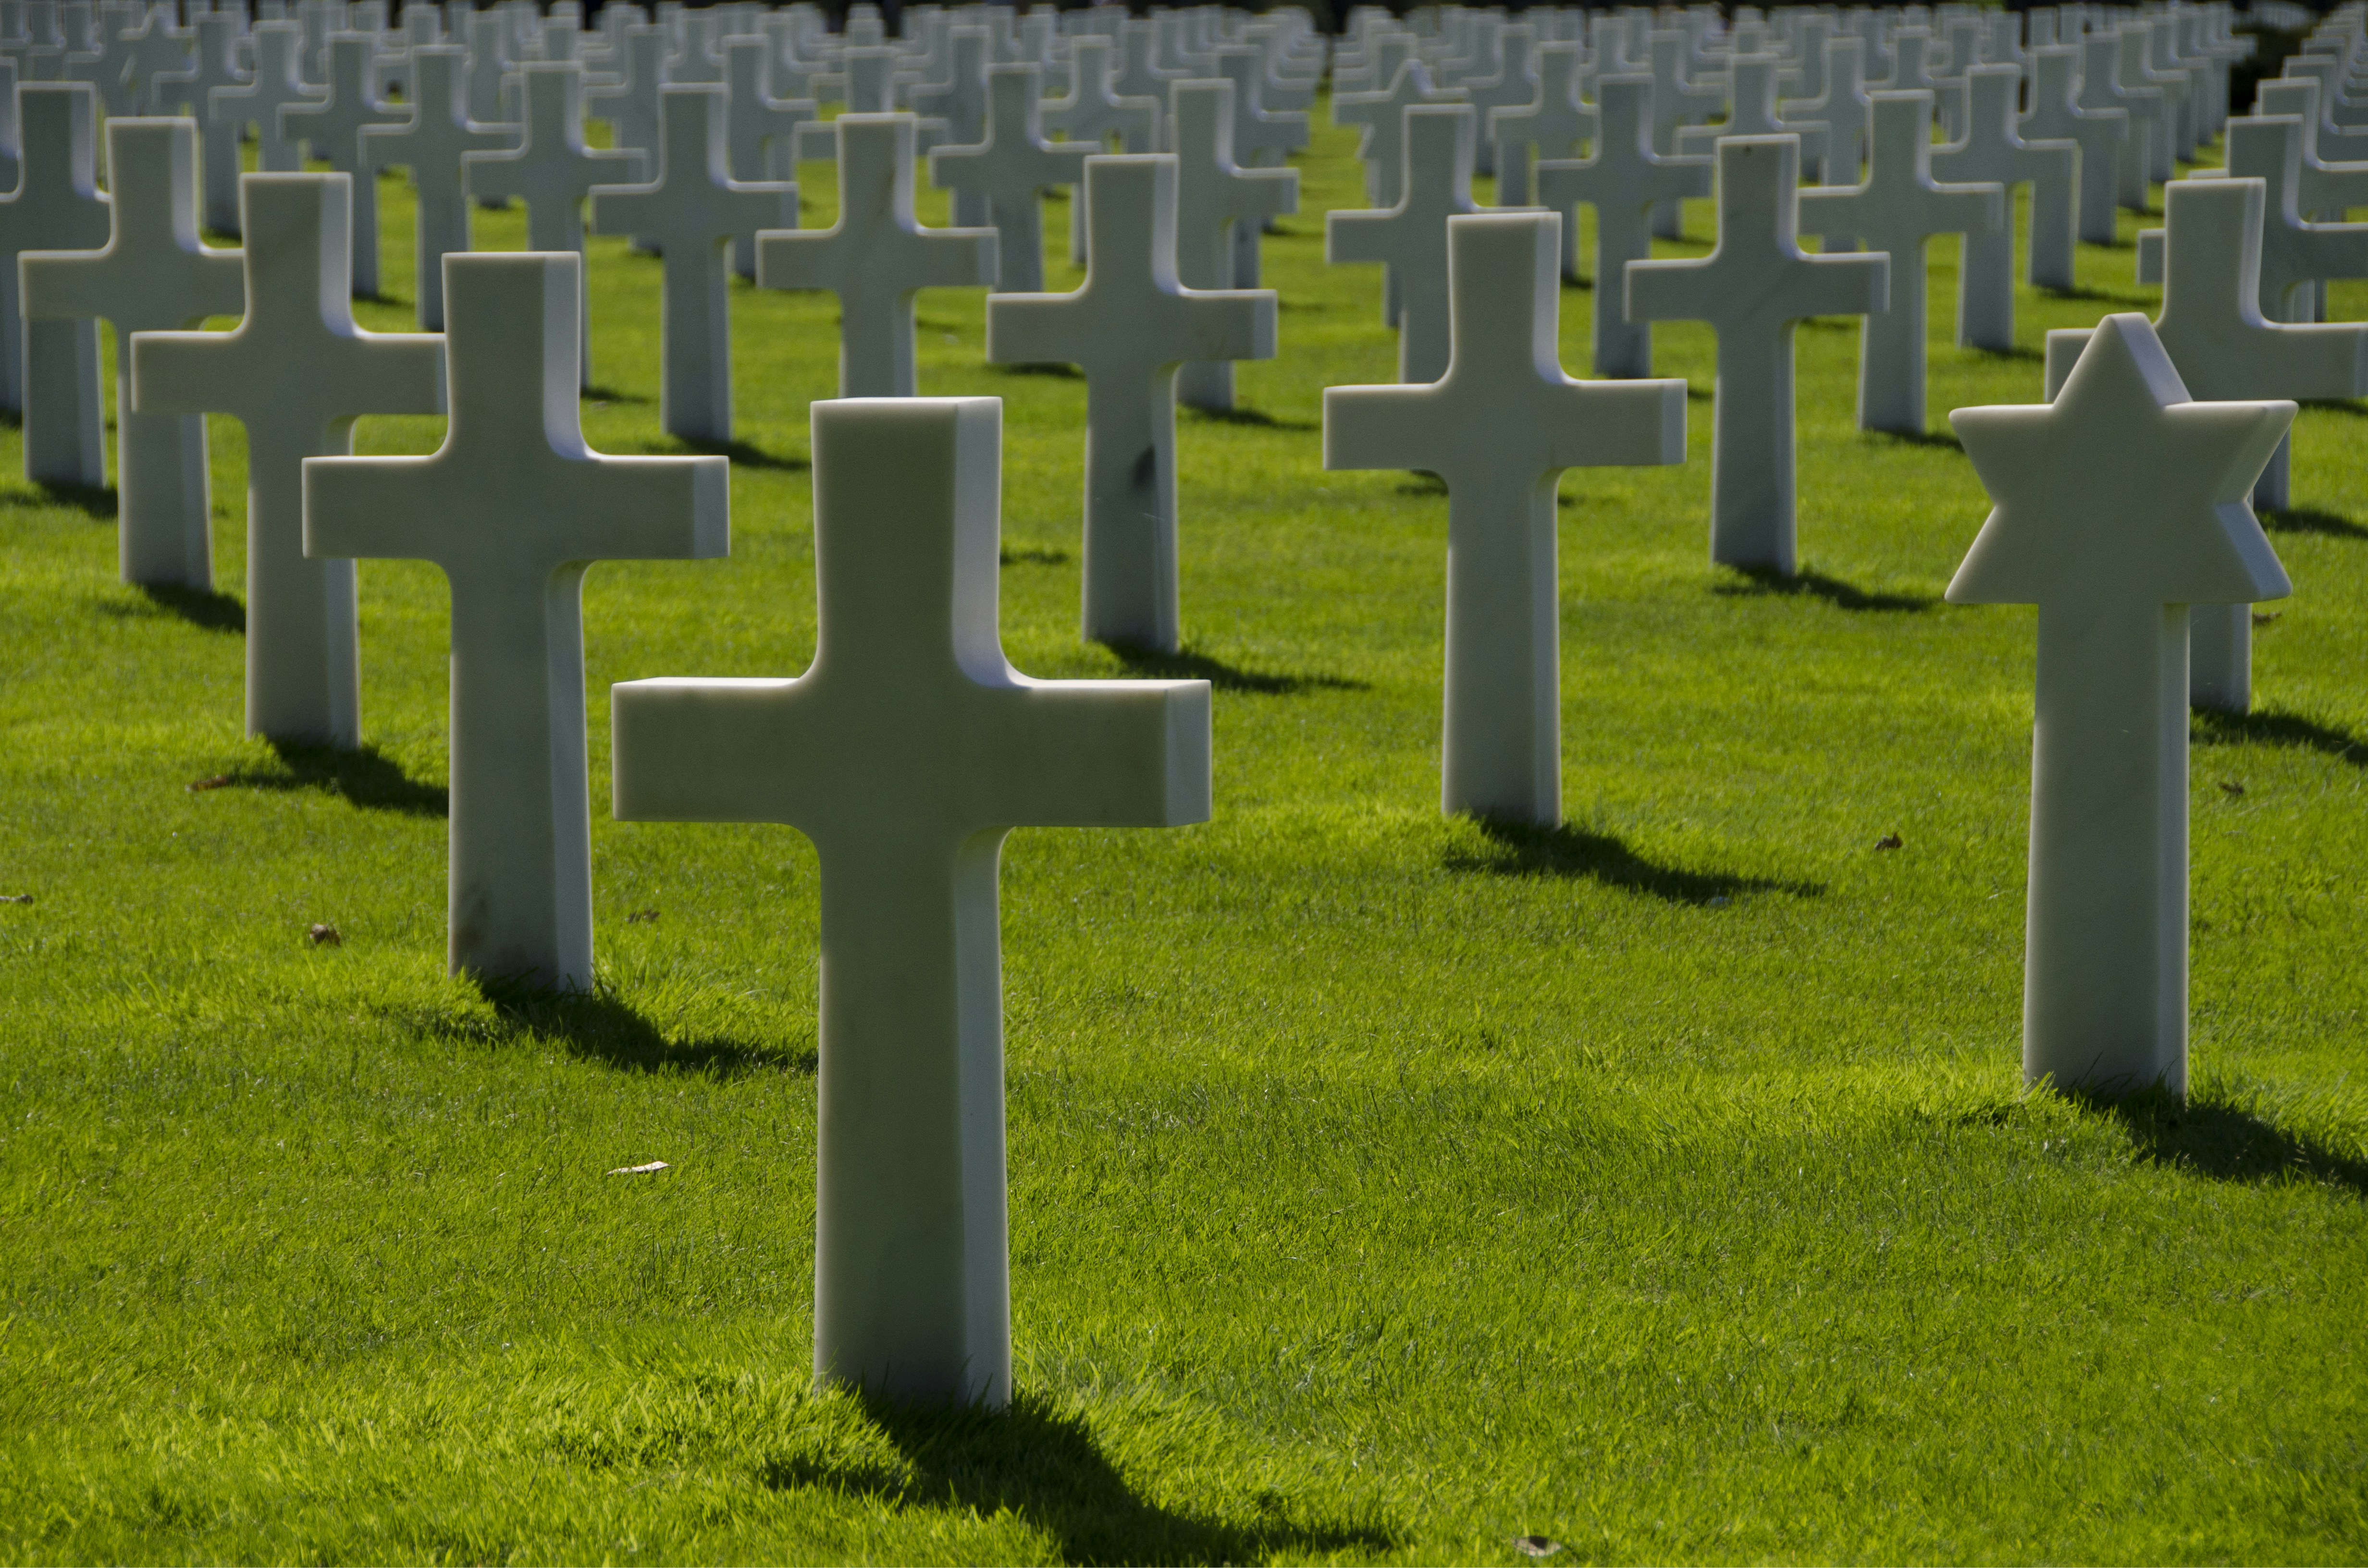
{"x": 2102, "y": 90}
{"x": 515, "y": 508}
{"x": 1215, "y": 195}
{"x": 1897, "y": 211}
{"x": 2102, "y": 136}
{"x": 1752, "y": 289}
{"x": 277, "y": 82}
{"x": 296, "y": 372}
{"x": 2294, "y": 253}
{"x": 1128, "y": 327}
{"x": 760, "y": 134}
{"x": 1499, "y": 427}
{"x": 905, "y": 753}
{"x": 333, "y": 128}
{"x": 1626, "y": 181}
{"x": 1841, "y": 103}
{"x": 52, "y": 366}
{"x": 1552, "y": 126}
{"x": 1262, "y": 138}
{"x": 961, "y": 102}
{"x": 1752, "y": 111}
{"x": 1382, "y": 144}
{"x": 431, "y": 144}
{"x": 1994, "y": 150}
{"x": 2225, "y": 350}
{"x": 630, "y": 105}
{"x": 1012, "y": 165}
{"x": 1093, "y": 112}
{"x": 1410, "y": 239}
{"x": 690, "y": 211}
{"x": 877, "y": 256}
{"x": 2116, "y": 506}
{"x": 552, "y": 171}
{"x": 152, "y": 273}
{"x": 190, "y": 92}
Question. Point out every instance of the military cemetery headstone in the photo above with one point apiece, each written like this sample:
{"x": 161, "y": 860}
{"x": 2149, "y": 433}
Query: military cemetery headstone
{"x": 1841, "y": 103}
{"x": 515, "y": 508}
{"x": 431, "y": 143}
{"x": 190, "y": 92}
{"x": 2296, "y": 254}
{"x": 53, "y": 374}
{"x": 1752, "y": 289}
{"x": 1127, "y": 327}
{"x": 1410, "y": 239}
{"x": 152, "y": 273}
{"x": 1215, "y": 195}
{"x": 1897, "y": 210}
{"x": 1752, "y": 112}
{"x": 1012, "y": 165}
{"x": 2102, "y": 88}
{"x": 1262, "y": 138}
{"x": 275, "y": 83}
{"x": 296, "y": 373}
{"x": 876, "y": 256}
{"x": 2102, "y": 136}
{"x": 2114, "y": 508}
{"x": 1554, "y": 125}
{"x": 1382, "y": 144}
{"x": 1498, "y": 429}
{"x": 912, "y": 1277}
{"x": 961, "y": 102}
{"x": 331, "y": 127}
{"x": 760, "y": 134}
{"x": 630, "y": 108}
{"x": 1993, "y": 150}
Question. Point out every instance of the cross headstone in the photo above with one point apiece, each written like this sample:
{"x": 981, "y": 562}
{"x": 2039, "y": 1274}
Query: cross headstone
{"x": 912, "y": 1274}
{"x": 1504, "y": 75}
{"x": 690, "y": 210}
{"x": 515, "y": 508}
{"x": 1751, "y": 290}
{"x": 431, "y": 143}
{"x": 1128, "y": 327}
{"x": 190, "y": 92}
{"x": 2115, "y": 507}
{"x": 1012, "y": 165}
{"x": 877, "y": 256}
{"x": 2102, "y": 136}
{"x": 2226, "y": 350}
{"x": 157, "y": 50}
{"x": 1897, "y": 210}
{"x": 760, "y": 134}
{"x": 296, "y": 373}
{"x": 2102, "y": 90}
{"x": 1092, "y": 112}
{"x": 1842, "y": 106}
{"x": 1993, "y": 150}
{"x": 1624, "y": 182}
{"x": 2294, "y": 253}
{"x": 961, "y": 102}
{"x": 1262, "y": 138}
{"x": 1410, "y": 238}
{"x": 152, "y": 273}
{"x": 2329, "y": 188}
{"x": 552, "y": 171}
{"x": 332, "y": 127}
{"x": 631, "y": 105}
{"x": 1382, "y": 144}
{"x": 2173, "y": 140}
{"x": 1215, "y": 195}
{"x": 1499, "y": 428}
{"x": 1552, "y": 126}
{"x": 1752, "y": 111}
{"x": 52, "y": 366}
{"x": 276, "y": 81}
{"x": 1677, "y": 101}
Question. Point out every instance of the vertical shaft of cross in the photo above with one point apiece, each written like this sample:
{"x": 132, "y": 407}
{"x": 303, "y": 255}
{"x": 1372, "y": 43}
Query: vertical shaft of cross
{"x": 56, "y": 206}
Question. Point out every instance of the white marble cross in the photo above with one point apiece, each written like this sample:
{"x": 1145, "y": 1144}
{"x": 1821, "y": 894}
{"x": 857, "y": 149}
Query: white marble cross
{"x": 2329, "y": 187}
{"x": 2225, "y": 350}
{"x": 1624, "y": 182}
{"x": 1752, "y": 289}
{"x": 276, "y": 81}
{"x": 1552, "y": 126}
{"x": 152, "y": 273}
{"x": 629, "y": 106}
{"x": 1128, "y": 327}
{"x": 1215, "y": 195}
{"x": 552, "y": 171}
{"x": 1498, "y": 428}
{"x": 1994, "y": 150}
{"x": 905, "y": 753}
{"x": 1262, "y": 138}
{"x": 2102, "y": 90}
{"x": 1410, "y": 239}
{"x": 760, "y": 134}
{"x": 1092, "y": 112}
{"x": 1012, "y": 165}
{"x": 431, "y": 144}
{"x": 877, "y": 256}
{"x": 190, "y": 92}
{"x": 1752, "y": 111}
{"x": 515, "y": 508}
{"x": 2294, "y": 253}
{"x": 690, "y": 211}
{"x": 1843, "y": 106}
{"x": 2116, "y": 506}
{"x": 961, "y": 102}
{"x": 1897, "y": 211}
{"x": 1382, "y": 144}
{"x": 296, "y": 373}
{"x": 2102, "y": 136}
{"x": 52, "y": 366}
{"x": 333, "y": 128}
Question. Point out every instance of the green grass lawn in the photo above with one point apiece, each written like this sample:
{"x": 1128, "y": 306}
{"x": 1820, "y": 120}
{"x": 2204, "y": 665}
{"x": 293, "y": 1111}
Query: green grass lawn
{"x": 1382, "y": 1186}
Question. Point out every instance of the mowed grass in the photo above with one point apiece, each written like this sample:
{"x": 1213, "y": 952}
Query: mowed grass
{"x": 1382, "y": 1186}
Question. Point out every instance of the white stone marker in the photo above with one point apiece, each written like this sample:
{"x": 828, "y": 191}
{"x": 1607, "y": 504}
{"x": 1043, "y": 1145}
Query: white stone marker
{"x": 1012, "y": 166}
{"x": 905, "y": 753}
{"x": 333, "y": 128}
{"x": 1382, "y": 142}
{"x": 53, "y": 377}
{"x": 431, "y": 144}
{"x": 760, "y": 134}
{"x": 1498, "y": 428}
{"x": 1843, "y": 106}
{"x": 1215, "y": 195}
{"x": 961, "y": 102}
{"x": 1554, "y": 126}
{"x": 2225, "y": 350}
{"x": 1626, "y": 181}
{"x": 1127, "y": 328}
{"x": 552, "y": 171}
{"x": 691, "y": 210}
{"x": 515, "y": 508}
{"x": 1897, "y": 211}
{"x": 2101, "y": 90}
{"x": 2104, "y": 136}
{"x": 1410, "y": 239}
{"x": 277, "y": 82}
{"x": 2294, "y": 253}
{"x": 190, "y": 93}
{"x": 152, "y": 273}
{"x": 297, "y": 372}
{"x": 1752, "y": 289}
{"x": 1994, "y": 151}
{"x": 629, "y": 106}
{"x": 876, "y": 256}
{"x": 2116, "y": 506}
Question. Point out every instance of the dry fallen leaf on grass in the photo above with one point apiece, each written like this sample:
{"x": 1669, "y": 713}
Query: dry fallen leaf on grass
{"x": 1535, "y": 1546}
{"x": 2264, "y": 617}
{"x": 327, "y": 937}
{"x": 2230, "y": 787}
{"x": 642, "y": 917}
{"x": 15, "y": 898}
{"x": 1888, "y": 841}
{"x": 201, "y": 786}
{"x": 650, "y": 1169}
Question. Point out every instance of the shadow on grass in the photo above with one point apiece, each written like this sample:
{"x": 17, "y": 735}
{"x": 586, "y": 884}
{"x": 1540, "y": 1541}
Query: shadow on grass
{"x": 2016, "y": 351}
{"x": 95, "y": 502}
{"x": 2134, "y": 297}
{"x": 1523, "y": 849}
{"x": 2271, "y": 727}
{"x": 2213, "y": 1134}
{"x": 1034, "y": 555}
{"x": 1186, "y": 664}
{"x": 612, "y": 394}
{"x": 598, "y": 1027}
{"x": 1064, "y": 372}
{"x": 1420, "y": 481}
{"x": 1761, "y": 582}
{"x": 365, "y": 778}
{"x": 201, "y": 607}
{"x": 1938, "y": 440}
{"x": 2355, "y": 407}
{"x": 1047, "y": 1468}
{"x": 1253, "y": 416}
{"x": 742, "y": 454}
{"x": 2311, "y": 521}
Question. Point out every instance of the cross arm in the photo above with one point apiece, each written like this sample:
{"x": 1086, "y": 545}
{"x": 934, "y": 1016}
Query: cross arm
{"x": 1617, "y": 424}
{"x": 1364, "y": 234}
{"x": 511, "y": 177}
{"x": 67, "y": 284}
{"x": 1037, "y": 329}
{"x": 1677, "y": 289}
{"x": 1223, "y": 324}
{"x": 1088, "y": 753}
{"x": 707, "y": 750}
{"x": 1380, "y": 426}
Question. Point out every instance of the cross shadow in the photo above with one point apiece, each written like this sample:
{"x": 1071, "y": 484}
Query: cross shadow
{"x": 2013, "y": 351}
{"x": 1941, "y": 440}
{"x": 597, "y": 1026}
{"x": 1761, "y": 582}
{"x": 1185, "y": 664}
{"x": 1524, "y": 849}
{"x": 201, "y": 607}
{"x": 2312, "y": 520}
{"x": 365, "y": 778}
{"x": 2271, "y": 727}
{"x": 2355, "y": 407}
{"x": 1034, "y": 555}
{"x": 610, "y": 394}
{"x": 1045, "y": 1467}
{"x": 1256, "y": 416}
{"x": 93, "y": 501}
{"x": 1421, "y": 482}
{"x": 742, "y": 454}
{"x": 1064, "y": 372}
{"x": 1701, "y": 394}
{"x": 2108, "y": 296}
{"x": 2210, "y": 1134}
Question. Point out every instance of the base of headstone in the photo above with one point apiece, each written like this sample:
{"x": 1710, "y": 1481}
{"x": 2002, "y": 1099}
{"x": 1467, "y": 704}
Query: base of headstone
{"x": 66, "y": 441}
